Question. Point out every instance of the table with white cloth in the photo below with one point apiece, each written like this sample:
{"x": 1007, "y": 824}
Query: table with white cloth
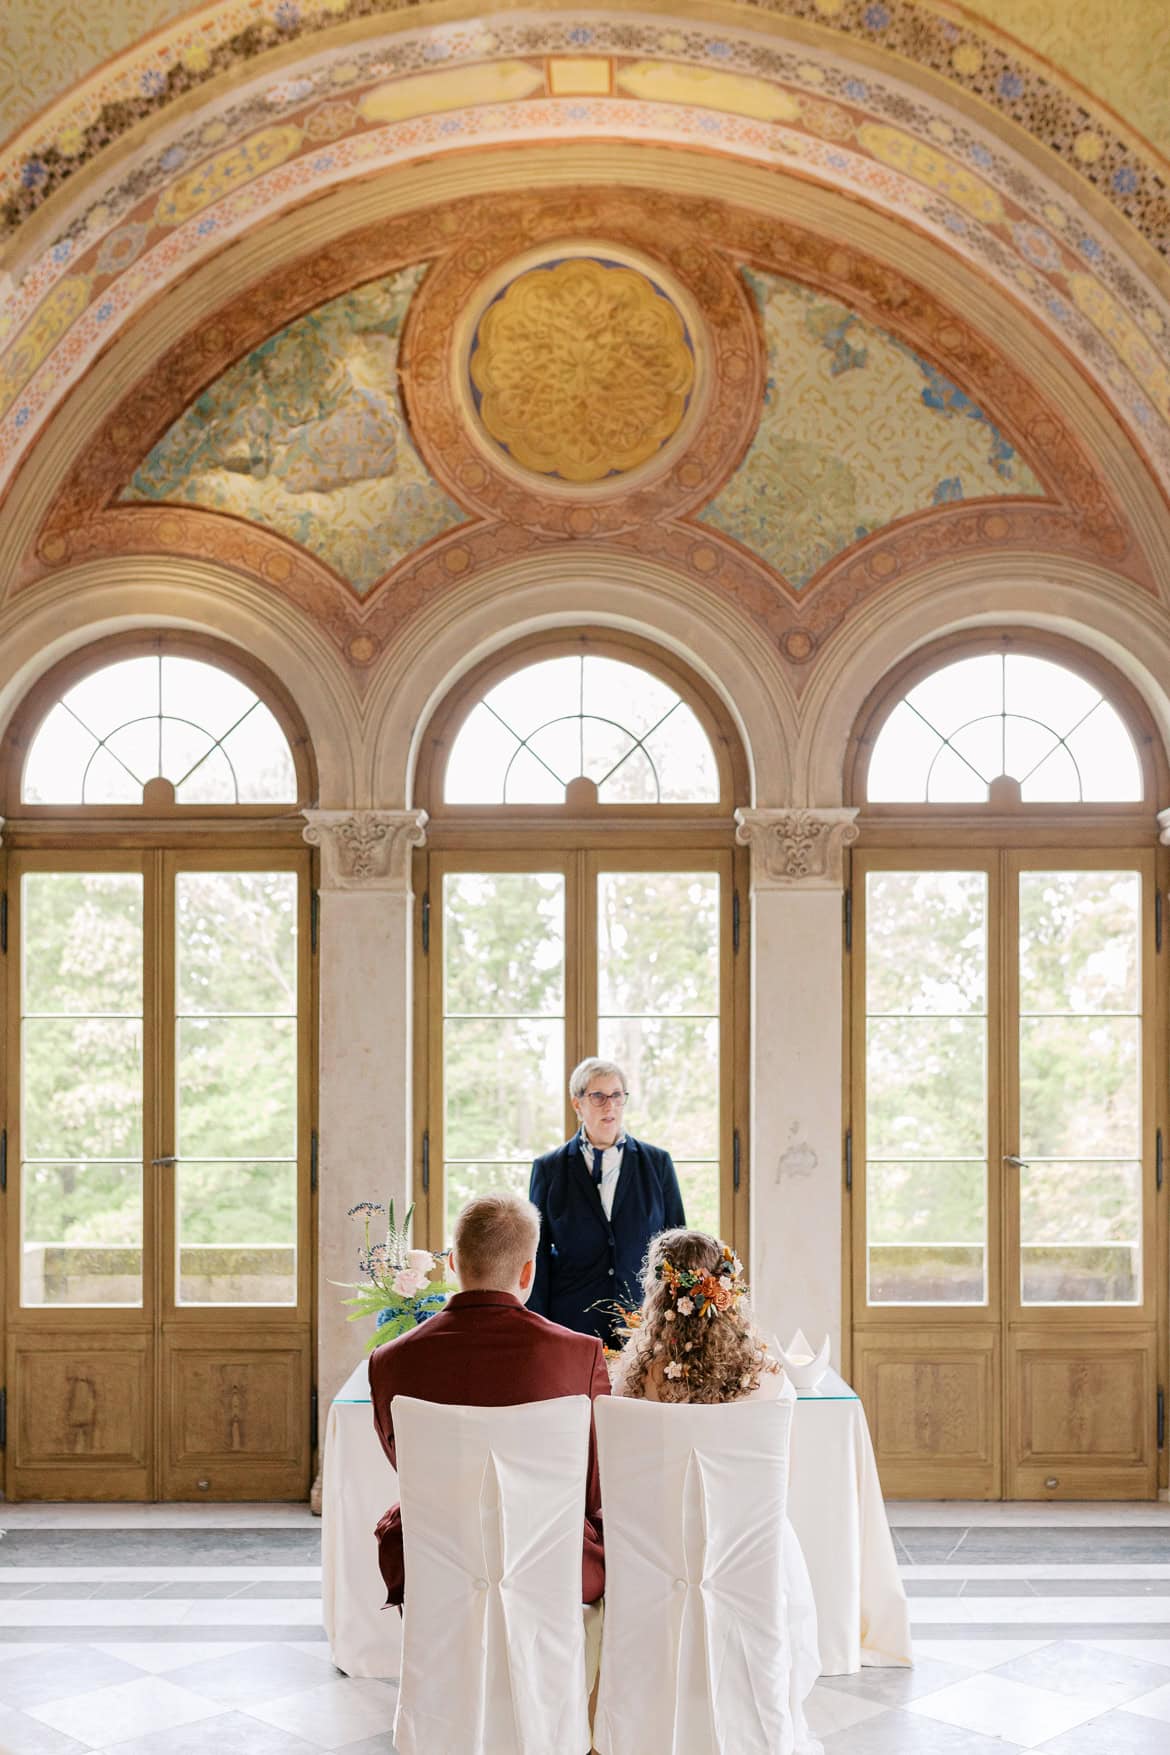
{"x": 835, "y": 1505}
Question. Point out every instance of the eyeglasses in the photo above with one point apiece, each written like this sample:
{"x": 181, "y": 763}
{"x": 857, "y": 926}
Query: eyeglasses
{"x": 600, "y": 1099}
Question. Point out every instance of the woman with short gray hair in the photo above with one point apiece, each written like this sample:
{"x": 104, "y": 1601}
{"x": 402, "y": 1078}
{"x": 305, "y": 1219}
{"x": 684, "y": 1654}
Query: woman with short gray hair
{"x": 602, "y": 1196}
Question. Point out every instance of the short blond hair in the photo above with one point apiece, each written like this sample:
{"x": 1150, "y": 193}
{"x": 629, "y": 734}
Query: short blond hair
{"x": 495, "y": 1234}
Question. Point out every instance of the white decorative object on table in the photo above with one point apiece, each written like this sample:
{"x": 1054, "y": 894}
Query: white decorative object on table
{"x": 803, "y": 1367}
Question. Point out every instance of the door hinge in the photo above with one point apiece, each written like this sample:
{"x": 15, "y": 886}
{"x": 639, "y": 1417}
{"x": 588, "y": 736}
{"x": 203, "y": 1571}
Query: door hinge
{"x": 313, "y": 1418}
{"x": 1159, "y": 1161}
{"x": 3, "y": 1419}
{"x": 3, "y": 920}
{"x": 735, "y": 1169}
{"x": 847, "y": 905}
{"x": 314, "y": 1160}
{"x": 1157, "y": 920}
{"x": 314, "y": 920}
{"x": 735, "y": 920}
{"x": 3, "y": 1159}
{"x": 1161, "y": 1418}
{"x": 849, "y": 1160}
{"x": 426, "y": 1162}
{"x": 426, "y": 922}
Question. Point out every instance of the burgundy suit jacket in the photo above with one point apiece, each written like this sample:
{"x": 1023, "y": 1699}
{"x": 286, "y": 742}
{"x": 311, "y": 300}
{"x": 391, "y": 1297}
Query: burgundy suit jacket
{"x": 486, "y": 1350}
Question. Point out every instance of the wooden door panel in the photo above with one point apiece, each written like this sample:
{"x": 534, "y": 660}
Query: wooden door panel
{"x": 1083, "y": 1416}
{"x": 931, "y": 1398}
{"x": 236, "y": 1416}
{"x": 79, "y": 1416}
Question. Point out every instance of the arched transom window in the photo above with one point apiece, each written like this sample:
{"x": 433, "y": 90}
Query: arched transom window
{"x": 998, "y": 717}
{"x": 190, "y": 731}
{"x": 611, "y": 731}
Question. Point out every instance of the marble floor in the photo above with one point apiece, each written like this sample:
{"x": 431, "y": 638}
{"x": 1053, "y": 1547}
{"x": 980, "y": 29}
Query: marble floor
{"x": 196, "y": 1630}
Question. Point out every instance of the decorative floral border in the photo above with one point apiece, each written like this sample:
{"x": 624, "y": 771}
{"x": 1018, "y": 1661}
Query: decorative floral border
{"x": 282, "y": 141}
{"x": 970, "y": 54}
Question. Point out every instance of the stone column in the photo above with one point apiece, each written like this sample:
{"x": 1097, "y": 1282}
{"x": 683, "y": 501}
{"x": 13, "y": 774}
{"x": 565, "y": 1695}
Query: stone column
{"x": 796, "y": 1101}
{"x": 364, "y": 1052}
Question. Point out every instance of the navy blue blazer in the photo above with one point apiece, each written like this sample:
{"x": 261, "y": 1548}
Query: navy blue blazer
{"x": 585, "y": 1259}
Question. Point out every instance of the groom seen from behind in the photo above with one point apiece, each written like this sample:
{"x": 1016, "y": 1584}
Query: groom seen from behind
{"x": 486, "y": 1350}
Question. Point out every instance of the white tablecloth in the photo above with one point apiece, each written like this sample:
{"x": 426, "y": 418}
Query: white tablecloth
{"x": 835, "y": 1505}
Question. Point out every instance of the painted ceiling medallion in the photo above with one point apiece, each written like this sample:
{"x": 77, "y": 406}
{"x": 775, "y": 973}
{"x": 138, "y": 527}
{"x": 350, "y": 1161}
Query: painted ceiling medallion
{"x": 582, "y": 369}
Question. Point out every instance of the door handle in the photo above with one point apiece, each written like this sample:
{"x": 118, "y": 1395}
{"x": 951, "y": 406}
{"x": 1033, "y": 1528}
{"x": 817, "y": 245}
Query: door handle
{"x": 164, "y": 1160}
{"x": 1009, "y": 1158}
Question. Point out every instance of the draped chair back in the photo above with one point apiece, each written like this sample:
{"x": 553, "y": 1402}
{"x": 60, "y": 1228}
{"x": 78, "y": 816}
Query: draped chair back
{"x": 493, "y": 1643}
{"x": 694, "y": 1655}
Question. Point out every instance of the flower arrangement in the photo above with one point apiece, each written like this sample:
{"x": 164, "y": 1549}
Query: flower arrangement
{"x": 400, "y": 1287}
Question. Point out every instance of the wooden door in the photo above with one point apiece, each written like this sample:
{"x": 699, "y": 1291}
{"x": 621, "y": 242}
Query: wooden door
{"x": 533, "y": 960}
{"x": 159, "y": 1272}
{"x": 1004, "y": 1117}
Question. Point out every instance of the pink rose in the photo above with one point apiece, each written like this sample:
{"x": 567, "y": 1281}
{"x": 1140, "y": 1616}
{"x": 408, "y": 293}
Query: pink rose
{"x": 407, "y": 1283}
{"x": 420, "y": 1261}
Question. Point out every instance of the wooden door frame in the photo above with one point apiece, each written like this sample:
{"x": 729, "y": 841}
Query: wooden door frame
{"x": 581, "y": 856}
{"x": 1009, "y": 847}
{"x": 154, "y": 1326}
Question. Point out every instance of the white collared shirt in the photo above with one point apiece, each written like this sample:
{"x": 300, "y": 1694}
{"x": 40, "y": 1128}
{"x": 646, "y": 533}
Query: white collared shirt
{"x": 611, "y": 1168}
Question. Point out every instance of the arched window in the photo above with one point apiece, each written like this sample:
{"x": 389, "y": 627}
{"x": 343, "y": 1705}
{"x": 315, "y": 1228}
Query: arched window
{"x": 159, "y": 1123}
{"x": 166, "y": 723}
{"x": 582, "y": 718}
{"x": 1006, "y": 1004}
{"x": 1004, "y": 716}
{"x": 581, "y": 887}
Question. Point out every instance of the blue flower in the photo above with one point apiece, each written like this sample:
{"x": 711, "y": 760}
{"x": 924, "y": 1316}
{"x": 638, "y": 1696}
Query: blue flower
{"x": 719, "y": 50}
{"x": 33, "y": 173}
{"x": 857, "y": 90}
{"x": 875, "y": 17}
{"x": 980, "y": 155}
{"x": 152, "y": 83}
{"x": 172, "y": 158}
{"x": 326, "y": 162}
{"x": 63, "y": 250}
{"x": 205, "y": 227}
{"x": 23, "y": 416}
{"x": 1092, "y": 249}
{"x": 710, "y": 124}
{"x": 287, "y": 15}
{"x": 838, "y": 161}
{"x": 435, "y": 51}
{"x": 1059, "y": 310}
{"x": 104, "y": 311}
{"x": 580, "y": 34}
{"x": 955, "y": 222}
{"x": 450, "y": 125}
{"x": 1010, "y": 85}
{"x": 1125, "y": 180}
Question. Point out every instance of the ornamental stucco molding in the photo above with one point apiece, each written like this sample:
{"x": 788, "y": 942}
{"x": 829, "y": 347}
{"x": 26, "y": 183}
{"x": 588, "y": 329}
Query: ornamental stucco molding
{"x": 1163, "y": 827}
{"x": 796, "y": 849}
{"x": 365, "y": 849}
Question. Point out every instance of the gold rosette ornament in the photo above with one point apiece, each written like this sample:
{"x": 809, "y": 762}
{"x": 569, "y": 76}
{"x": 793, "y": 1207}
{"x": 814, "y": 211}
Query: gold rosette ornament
{"x": 584, "y": 369}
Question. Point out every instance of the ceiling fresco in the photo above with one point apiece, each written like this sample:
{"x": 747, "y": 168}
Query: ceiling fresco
{"x": 553, "y": 77}
{"x": 856, "y": 430}
{"x": 306, "y": 436}
{"x": 999, "y": 440}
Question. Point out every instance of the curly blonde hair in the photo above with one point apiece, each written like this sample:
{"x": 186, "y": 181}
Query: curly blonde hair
{"x": 693, "y": 1348}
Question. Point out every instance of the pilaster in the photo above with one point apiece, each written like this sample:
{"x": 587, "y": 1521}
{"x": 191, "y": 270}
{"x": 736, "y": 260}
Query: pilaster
{"x": 797, "y": 861}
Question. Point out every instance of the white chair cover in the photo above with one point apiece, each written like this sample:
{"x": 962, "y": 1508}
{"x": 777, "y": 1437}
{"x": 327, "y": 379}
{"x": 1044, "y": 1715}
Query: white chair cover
{"x": 694, "y": 1656}
{"x": 493, "y": 1642}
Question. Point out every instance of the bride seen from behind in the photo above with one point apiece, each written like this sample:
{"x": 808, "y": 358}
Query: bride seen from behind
{"x": 696, "y": 1340}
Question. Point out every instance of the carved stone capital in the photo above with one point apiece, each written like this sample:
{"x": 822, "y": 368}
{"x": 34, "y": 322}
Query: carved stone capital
{"x": 365, "y": 849}
{"x": 796, "y": 849}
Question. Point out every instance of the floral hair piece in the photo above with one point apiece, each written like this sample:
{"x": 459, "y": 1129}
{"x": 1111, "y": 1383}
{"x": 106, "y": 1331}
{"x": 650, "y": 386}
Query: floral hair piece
{"x": 699, "y": 1293}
